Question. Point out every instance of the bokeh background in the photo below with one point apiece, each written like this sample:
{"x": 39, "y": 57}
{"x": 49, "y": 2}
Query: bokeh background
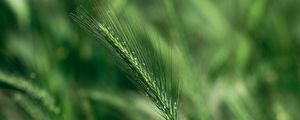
{"x": 242, "y": 61}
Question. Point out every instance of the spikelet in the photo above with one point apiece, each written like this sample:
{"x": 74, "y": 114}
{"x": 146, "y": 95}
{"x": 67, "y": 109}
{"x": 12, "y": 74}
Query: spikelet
{"x": 138, "y": 57}
{"x": 31, "y": 90}
{"x": 34, "y": 111}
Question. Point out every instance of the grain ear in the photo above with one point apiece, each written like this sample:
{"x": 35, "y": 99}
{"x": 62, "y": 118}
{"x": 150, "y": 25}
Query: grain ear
{"x": 29, "y": 89}
{"x": 139, "y": 57}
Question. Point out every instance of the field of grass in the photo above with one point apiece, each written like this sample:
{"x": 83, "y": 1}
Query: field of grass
{"x": 149, "y": 59}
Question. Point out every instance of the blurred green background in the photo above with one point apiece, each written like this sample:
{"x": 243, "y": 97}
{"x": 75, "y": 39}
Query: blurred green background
{"x": 242, "y": 61}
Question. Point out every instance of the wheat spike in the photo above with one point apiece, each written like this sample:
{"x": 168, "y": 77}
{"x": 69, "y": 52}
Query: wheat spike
{"x": 137, "y": 56}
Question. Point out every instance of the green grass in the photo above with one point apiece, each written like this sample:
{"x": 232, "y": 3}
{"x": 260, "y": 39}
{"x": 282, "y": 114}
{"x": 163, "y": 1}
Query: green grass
{"x": 149, "y": 60}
